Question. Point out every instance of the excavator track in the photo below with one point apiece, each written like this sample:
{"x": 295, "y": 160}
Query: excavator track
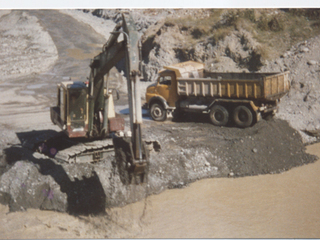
{"x": 86, "y": 152}
{"x": 64, "y": 149}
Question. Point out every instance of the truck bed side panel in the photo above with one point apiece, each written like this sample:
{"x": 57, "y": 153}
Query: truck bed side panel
{"x": 237, "y": 86}
{"x": 276, "y": 86}
{"x": 221, "y": 88}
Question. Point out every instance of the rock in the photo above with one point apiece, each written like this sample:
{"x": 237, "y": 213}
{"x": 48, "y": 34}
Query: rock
{"x": 255, "y": 150}
{"x": 287, "y": 54}
{"x": 313, "y": 132}
{"x": 312, "y": 62}
{"x": 23, "y": 186}
{"x": 304, "y": 49}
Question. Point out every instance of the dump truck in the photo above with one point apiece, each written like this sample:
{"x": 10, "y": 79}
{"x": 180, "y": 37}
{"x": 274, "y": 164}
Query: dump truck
{"x": 85, "y": 110}
{"x": 238, "y": 98}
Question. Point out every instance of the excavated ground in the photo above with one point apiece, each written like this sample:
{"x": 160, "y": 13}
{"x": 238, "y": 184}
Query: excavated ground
{"x": 191, "y": 150}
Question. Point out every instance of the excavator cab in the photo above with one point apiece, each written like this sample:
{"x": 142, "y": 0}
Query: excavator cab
{"x": 70, "y": 114}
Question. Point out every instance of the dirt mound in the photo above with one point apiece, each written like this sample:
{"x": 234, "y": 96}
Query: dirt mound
{"x": 198, "y": 149}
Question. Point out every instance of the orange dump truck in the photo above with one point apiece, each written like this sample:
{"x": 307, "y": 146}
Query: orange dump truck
{"x": 240, "y": 98}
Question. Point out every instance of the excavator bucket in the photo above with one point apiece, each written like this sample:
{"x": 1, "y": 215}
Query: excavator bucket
{"x": 131, "y": 170}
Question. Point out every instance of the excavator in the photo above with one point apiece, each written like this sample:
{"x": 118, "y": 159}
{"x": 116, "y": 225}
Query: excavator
{"x": 85, "y": 110}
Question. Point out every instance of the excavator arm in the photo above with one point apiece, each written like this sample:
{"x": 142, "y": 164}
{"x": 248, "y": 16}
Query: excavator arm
{"x": 113, "y": 51}
{"x": 87, "y": 111}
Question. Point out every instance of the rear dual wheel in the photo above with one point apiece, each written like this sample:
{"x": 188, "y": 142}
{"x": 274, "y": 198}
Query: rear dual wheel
{"x": 242, "y": 116}
{"x": 219, "y": 116}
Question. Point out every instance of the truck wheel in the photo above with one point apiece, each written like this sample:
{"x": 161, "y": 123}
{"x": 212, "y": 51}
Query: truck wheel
{"x": 219, "y": 116}
{"x": 158, "y": 113}
{"x": 242, "y": 116}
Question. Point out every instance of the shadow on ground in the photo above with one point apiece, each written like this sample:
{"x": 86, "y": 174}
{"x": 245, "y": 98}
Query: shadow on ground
{"x": 85, "y": 196}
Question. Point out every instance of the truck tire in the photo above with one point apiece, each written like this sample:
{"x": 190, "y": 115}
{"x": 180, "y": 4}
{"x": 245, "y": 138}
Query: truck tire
{"x": 219, "y": 116}
{"x": 158, "y": 113}
{"x": 242, "y": 116}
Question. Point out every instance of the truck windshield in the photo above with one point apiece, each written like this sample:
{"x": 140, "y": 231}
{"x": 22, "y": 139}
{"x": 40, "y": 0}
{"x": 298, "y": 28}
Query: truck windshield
{"x": 77, "y": 104}
{"x": 165, "y": 80}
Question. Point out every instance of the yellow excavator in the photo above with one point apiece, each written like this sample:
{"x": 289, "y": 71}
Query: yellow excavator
{"x": 86, "y": 115}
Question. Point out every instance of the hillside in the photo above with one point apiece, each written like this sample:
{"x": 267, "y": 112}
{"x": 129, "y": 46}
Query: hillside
{"x": 224, "y": 39}
{"x": 236, "y": 40}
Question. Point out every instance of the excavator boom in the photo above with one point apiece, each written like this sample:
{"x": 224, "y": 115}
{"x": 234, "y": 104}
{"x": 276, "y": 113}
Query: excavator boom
{"x": 112, "y": 52}
{"x": 86, "y": 110}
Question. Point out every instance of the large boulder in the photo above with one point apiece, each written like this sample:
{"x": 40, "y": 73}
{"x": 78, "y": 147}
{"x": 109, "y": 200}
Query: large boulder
{"x": 22, "y": 187}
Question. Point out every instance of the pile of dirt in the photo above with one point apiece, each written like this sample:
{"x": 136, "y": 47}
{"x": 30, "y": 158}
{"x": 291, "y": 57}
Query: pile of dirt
{"x": 197, "y": 149}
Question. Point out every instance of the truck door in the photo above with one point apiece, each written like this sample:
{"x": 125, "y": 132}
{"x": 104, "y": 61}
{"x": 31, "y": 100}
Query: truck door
{"x": 167, "y": 88}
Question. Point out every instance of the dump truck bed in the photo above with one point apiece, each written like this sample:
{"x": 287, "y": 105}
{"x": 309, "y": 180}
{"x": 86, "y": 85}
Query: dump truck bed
{"x": 264, "y": 86}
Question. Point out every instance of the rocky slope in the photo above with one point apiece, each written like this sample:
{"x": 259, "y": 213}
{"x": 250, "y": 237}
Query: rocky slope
{"x": 301, "y": 106}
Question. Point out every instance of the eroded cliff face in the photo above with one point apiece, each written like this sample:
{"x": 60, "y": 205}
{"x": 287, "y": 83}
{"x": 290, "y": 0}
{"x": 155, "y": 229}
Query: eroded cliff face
{"x": 224, "y": 39}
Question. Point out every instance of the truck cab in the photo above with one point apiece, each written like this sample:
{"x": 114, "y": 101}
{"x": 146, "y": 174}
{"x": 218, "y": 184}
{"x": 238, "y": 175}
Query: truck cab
{"x": 162, "y": 96}
{"x": 164, "y": 88}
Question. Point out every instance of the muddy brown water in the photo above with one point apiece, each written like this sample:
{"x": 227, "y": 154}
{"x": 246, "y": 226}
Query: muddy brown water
{"x": 283, "y": 205}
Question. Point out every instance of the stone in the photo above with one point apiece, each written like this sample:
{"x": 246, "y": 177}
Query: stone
{"x": 312, "y": 62}
{"x": 22, "y": 189}
{"x": 304, "y": 49}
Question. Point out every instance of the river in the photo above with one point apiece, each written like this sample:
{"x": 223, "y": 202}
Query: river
{"x": 283, "y": 205}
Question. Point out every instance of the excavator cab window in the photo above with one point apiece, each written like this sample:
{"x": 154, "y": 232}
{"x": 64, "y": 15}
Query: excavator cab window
{"x": 77, "y": 104}
{"x": 62, "y": 103}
